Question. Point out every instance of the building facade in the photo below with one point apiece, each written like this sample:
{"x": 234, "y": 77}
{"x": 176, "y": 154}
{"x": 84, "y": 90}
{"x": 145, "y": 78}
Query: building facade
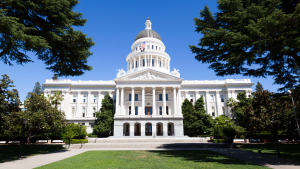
{"x": 148, "y": 96}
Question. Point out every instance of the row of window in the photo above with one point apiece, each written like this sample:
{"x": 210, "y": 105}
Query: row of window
{"x": 211, "y": 98}
{"x": 136, "y": 97}
{"x": 148, "y": 110}
{"x": 152, "y": 47}
{"x": 83, "y": 111}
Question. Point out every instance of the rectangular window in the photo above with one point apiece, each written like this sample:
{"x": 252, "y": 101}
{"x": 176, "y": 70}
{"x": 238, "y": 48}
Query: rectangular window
{"x": 181, "y": 98}
{"x": 156, "y": 47}
{"x": 152, "y": 62}
{"x": 115, "y": 98}
{"x": 74, "y": 98}
{"x": 94, "y": 109}
{"x": 94, "y": 114}
{"x": 83, "y": 111}
{"x": 129, "y": 97}
{"x": 143, "y": 62}
{"x": 167, "y": 98}
{"x": 83, "y": 124}
{"x": 152, "y": 47}
{"x": 160, "y": 97}
{"x": 213, "y": 111}
{"x": 191, "y": 98}
{"x": 160, "y": 110}
{"x": 222, "y": 98}
{"x": 148, "y": 47}
{"x": 136, "y": 97}
{"x": 95, "y": 98}
{"x": 211, "y": 98}
{"x": 223, "y": 110}
{"x": 92, "y": 125}
{"x": 84, "y": 98}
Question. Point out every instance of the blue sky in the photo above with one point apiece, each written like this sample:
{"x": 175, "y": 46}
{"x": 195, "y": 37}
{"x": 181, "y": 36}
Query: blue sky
{"x": 113, "y": 25}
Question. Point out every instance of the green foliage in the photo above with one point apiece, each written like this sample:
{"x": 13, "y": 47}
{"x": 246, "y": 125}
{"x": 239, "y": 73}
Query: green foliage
{"x": 259, "y": 87}
{"x": 56, "y": 98}
{"x": 252, "y": 38}
{"x": 244, "y": 101}
{"x": 45, "y": 28}
{"x": 42, "y": 119}
{"x": 9, "y": 101}
{"x": 195, "y": 121}
{"x": 76, "y": 141}
{"x": 218, "y": 140}
{"x": 38, "y": 89}
{"x": 104, "y": 119}
{"x": 232, "y": 103}
{"x": 226, "y": 128}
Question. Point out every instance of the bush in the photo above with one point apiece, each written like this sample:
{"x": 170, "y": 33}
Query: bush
{"x": 76, "y": 141}
{"x": 90, "y": 135}
{"x": 220, "y": 140}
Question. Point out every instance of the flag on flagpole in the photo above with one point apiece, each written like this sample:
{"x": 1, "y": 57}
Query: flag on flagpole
{"x": 143, "y": 47}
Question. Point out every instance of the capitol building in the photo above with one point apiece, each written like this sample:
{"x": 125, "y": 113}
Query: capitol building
{"x": 148, "y": 95}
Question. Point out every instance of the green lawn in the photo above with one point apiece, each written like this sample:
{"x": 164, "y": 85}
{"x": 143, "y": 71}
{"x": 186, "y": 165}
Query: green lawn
{"x": 151, "y": 159}
{"x": 287, "y": 151}
{"x": 10, "y": 152}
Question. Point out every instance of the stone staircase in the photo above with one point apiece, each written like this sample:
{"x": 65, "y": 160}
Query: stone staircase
{"x": 147, "y": 143}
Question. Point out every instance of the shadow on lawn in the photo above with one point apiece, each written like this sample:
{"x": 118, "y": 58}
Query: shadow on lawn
{"x": 10, "y": 152}
{"x": 201, "y": 156}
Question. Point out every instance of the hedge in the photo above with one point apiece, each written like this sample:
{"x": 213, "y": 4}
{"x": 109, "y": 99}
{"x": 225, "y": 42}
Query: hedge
{"x": 220, "y": 140}
{"x": 76, "y": 141}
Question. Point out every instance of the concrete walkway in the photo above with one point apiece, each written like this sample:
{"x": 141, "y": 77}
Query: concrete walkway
{"x": 43, "y": 159}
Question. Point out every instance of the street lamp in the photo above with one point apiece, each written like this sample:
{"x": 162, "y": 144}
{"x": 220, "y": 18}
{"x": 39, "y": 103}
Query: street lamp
{"x": 273, "y": 121}
{"x": 290, "y": 94}
{"x": 20, "y": 152}
{"x": 218, "y": 131}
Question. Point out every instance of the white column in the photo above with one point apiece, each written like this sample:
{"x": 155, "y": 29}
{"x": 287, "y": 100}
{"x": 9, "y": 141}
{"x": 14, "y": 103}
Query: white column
{"x": 132, "y": 102}
{"x": 78, "y": 105}
{"x": 164, "y": 101}
{"x": 179, "y": 101}
{"x": 122, "y": 112}
{"x": 99, "y": 100}
{"x": 117, "y": 101}
{"x": 156, "y": 58}
{"x": 131, "y": 128}
{"x": 88, "y": 107}
{"x": 174, "y": 101}
{"x": 207, "y": 102}
{"x": 134, "y": 65}
{"x": 153, "y": 129}
{"x": 142, "y": 129}
{"x": 196, "y": 96}
{"x": 218, "y": 101}
{"x": 165, "y": 129}
{"x": 143, "y": 104}
{"x": 153, "y": 101}
{"x": 67, "y": 101}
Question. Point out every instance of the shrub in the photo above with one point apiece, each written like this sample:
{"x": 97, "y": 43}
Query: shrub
{"x": 76, "y": 141}
{"x": 220, "y": 140}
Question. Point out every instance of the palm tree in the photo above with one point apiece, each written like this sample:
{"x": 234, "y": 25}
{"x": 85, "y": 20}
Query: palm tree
{"x": 232, "y": 104}
{"x": 56, "y": 99}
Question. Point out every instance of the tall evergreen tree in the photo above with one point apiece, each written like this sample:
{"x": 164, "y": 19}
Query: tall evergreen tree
{"x": 44, "y": 27}
{"x": 104, "y": 122}
{"x": 259, "y": 87}
{"x": 38, "y": 89}
{"x": 248, "y": 33}
{"x": 243, "y": 102}
{"x": 9, "y": 100}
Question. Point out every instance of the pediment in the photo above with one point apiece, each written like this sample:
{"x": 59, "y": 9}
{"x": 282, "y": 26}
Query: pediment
{"x": 148, "y": 75}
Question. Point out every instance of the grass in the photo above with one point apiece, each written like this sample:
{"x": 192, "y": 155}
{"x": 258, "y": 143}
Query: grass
{"x": 287, "y": 151}
{"x": 151, "y": 159}
{"x": 10, "y": 152}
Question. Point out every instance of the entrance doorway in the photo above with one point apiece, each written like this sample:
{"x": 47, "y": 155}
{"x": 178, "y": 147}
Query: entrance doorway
{"x": 159, "y": 129}
{"x": 148, "y": 110}
{"x": 148, "y": 129}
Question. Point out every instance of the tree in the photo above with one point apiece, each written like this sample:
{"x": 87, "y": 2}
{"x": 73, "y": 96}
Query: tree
{"x": 38, "y": 89}
{"x": 232, "y": 103}
{"x": 42, "y": 119}
{"x": 9, "y": 100}
{"x": 243, "y": 102}
{"x": 45, "y": 28}
{"x": 72, "y": 130}
{"x": 252, "y": 38}
{"x": 259, "y": 87}
{"x": 196, "y": 121}
{"x": 104, "y": 122}
{"x": 56, "y": 98}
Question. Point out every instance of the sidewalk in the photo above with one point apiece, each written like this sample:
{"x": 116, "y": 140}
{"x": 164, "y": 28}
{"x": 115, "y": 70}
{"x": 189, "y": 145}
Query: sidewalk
{"x": 260, "y": 159}
{"x": 43, "y": 159}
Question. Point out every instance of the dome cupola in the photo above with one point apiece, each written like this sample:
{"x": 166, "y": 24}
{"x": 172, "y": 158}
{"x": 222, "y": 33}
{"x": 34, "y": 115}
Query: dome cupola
{"x": 148, "y": 32}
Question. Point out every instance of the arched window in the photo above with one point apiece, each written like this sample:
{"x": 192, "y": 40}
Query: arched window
{"x": 143, "y": 62}
{"x": 160, "y": 110}
{"x": 152, "y": 62}
{"x": 152, "y": 47}
{"x": 136, "y": 64}
{"x": 159, "y": 63}
{"x": 167, "y": 110}
{"x": 156, "y": 47}
{"x": 129, "y": 110}
{"x": 136, "y": 110}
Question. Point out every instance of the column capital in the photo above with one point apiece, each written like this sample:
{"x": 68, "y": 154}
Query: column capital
{"x": 217, "y": 92}
{"x": 143, "y": 87}
{"x": 249, "y": 91}
{"x": 174, "y": 87}
{"x": 164, "y": 87}
{"x": 132, "y": 87}
{"x": 153, "y": 87}
{"x": 89, "y": 92}
{"x": 207, "y": 92}
{"x": 99, "y": 92}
